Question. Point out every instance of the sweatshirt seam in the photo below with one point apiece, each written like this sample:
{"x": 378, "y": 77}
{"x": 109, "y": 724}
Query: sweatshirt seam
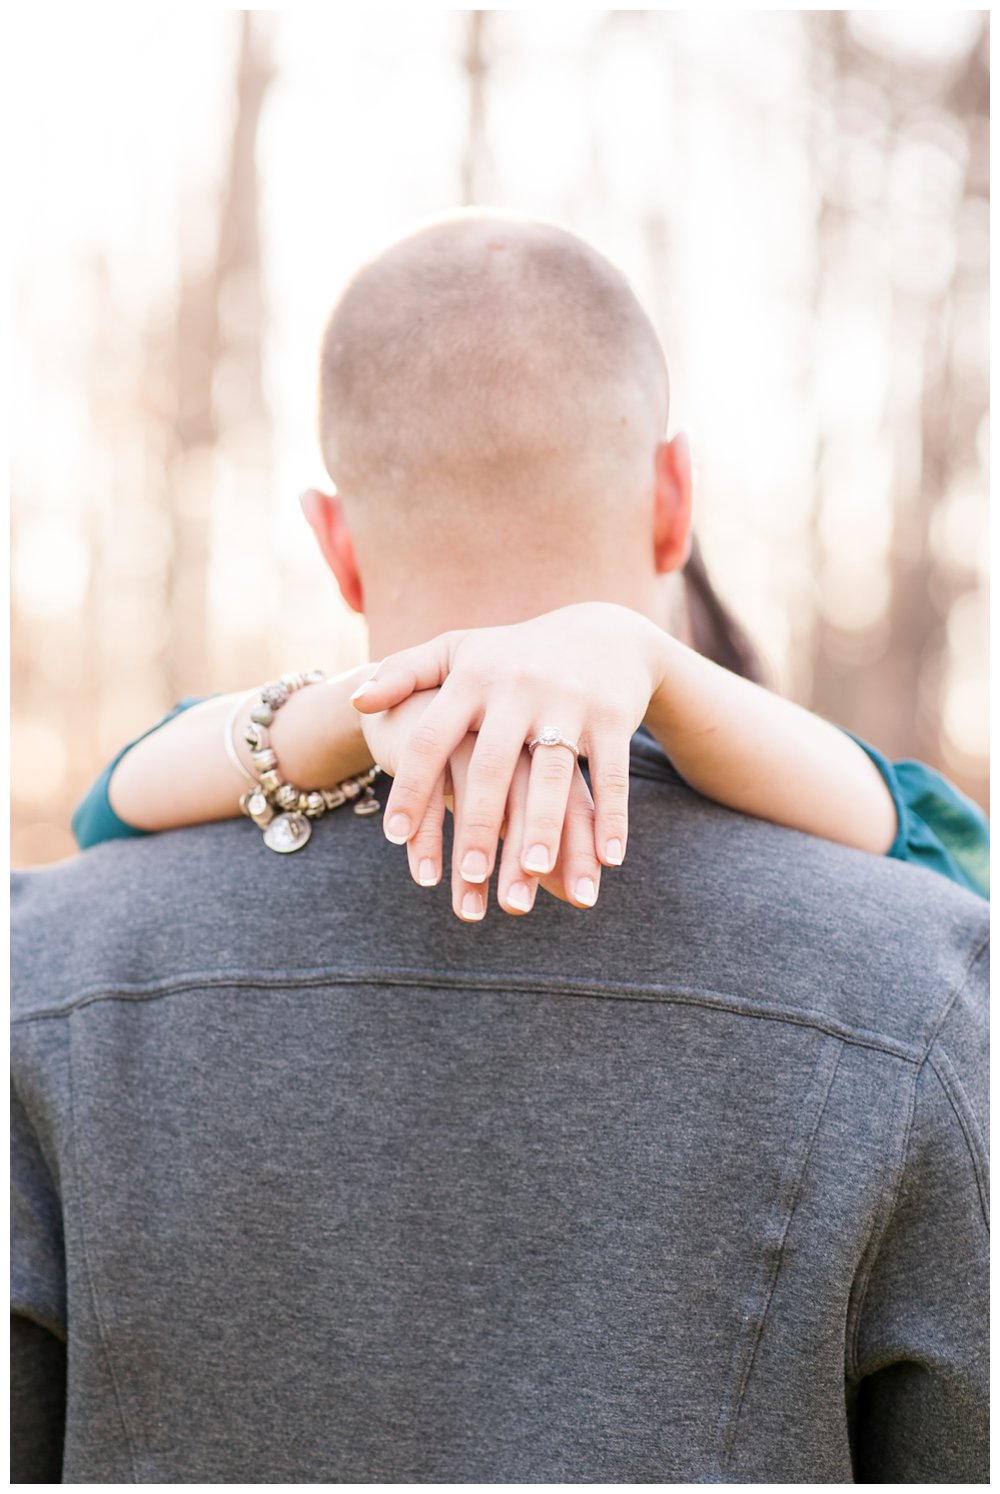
{"x": 102, "y": 1336}
{"x": 876, "y": 1244}
{"x": 707, "y": 998}
{"x": 960, "y": 985}
{"x": 823, "y": 1076}
{"x": 879, "y": 1232}
{"x": 954, "y": 1091}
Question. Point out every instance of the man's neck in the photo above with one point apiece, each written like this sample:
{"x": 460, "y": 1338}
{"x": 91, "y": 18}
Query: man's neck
{"x": 401, "y": 616}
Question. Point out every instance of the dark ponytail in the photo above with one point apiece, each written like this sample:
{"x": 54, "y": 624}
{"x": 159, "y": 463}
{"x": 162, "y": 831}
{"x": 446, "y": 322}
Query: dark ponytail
{"x": 714, "y": 630}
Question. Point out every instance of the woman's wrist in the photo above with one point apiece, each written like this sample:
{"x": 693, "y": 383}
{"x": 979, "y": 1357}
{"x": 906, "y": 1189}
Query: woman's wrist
{"x": 669, "y": 663}
{"x": 317, "y": 734}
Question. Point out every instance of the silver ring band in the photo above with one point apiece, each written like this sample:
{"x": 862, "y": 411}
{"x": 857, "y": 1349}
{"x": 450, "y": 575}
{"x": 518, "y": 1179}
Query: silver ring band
{"x": 550, "y": 736}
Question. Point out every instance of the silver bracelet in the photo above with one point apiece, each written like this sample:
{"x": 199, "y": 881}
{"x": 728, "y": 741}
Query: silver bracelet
{"x": 227, "y": 738}
{"x": 282, "y": 811}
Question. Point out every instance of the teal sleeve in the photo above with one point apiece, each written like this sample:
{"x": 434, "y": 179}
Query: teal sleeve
{"x": 938, "y": 827}
{"x": 93, "y": 818}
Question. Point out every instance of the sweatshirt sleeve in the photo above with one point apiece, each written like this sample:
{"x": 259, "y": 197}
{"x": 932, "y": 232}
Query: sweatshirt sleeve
{"x": 94, "y": 820}
{"x": 921, "y": 1353}
{"x": 938, "y": 827}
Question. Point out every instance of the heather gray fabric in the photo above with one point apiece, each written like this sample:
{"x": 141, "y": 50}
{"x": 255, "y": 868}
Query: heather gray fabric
{"x": 319, "y": 1184}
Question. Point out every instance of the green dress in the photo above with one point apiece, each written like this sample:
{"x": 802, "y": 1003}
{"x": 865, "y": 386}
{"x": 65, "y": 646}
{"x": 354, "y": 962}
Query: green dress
{"x": 939, "y": 828}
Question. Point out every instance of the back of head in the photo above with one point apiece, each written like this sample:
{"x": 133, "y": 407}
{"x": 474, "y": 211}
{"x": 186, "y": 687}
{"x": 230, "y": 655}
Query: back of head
{"x": 486, "y": 357}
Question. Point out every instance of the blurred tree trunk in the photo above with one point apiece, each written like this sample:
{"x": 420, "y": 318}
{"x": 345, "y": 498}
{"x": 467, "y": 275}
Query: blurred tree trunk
{"x": 474, "y": 62}
{"x": 216, "y": 344}
{"x": 897, "y": 699}
{"x": 924, "y": 589}
{"x": 968, "y": 101}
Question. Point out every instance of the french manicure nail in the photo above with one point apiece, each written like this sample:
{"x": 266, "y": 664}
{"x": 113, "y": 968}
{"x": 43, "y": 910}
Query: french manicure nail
{"x": 613, "y": 852}
{"x": 472, "y": 906}
{"x": 519, "y": 896}
{"x": 427, "y": 873}
{"x": 586, "y": 892}
{"x": 398, "y": 830}
{"x": 357, "y": 694}
{"x": 475, "y": 867}
{"x": 537, "y": 860}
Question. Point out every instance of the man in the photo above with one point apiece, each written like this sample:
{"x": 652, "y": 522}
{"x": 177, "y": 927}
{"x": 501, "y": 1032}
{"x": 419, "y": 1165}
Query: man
{"x": 315, "y": 1183}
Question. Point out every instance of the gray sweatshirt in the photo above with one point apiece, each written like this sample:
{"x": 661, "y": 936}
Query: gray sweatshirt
{"x": 314, "y": 1183}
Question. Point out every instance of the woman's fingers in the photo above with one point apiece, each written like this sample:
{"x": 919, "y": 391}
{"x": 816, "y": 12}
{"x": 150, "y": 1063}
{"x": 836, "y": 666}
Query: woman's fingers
{"x": 550, "y": 820}
{"x": 578, "y": 866}
{"x": 553, "y": 831}
{"x": 486, "y": 790}
{"x": 516, "y": 888}
{"x": 423, "y": 850}
{"x": 576, "y": 876}
{"x": 468, "y": 899}
{"x": 608, "y": 763}
{"x": 552, "y": 772}
{"x": 576, "y": 873}
{"x": 423, "y": 667}
{"x": 423, "y": 759}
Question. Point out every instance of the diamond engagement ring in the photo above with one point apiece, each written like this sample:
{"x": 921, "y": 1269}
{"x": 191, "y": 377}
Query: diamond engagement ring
{"x": 550, "y": 736}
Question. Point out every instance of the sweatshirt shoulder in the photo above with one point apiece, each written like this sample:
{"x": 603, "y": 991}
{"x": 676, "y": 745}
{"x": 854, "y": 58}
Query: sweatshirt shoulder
{"x": 863, "y": 944}
{"x": 73, "y": 923}
{"x": 46, "y": 910}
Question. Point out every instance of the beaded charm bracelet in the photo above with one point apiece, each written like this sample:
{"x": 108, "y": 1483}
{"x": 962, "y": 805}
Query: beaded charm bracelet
{"x": 282, "y": 811}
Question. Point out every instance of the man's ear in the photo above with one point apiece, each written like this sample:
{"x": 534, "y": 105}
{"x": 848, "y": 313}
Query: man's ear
{"x": 325, "y": 515}
{"x": 672, "y": 519}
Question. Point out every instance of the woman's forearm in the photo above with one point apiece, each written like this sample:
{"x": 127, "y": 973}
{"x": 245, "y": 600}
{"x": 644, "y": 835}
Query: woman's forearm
{"x": 740, "y": 744}
{"x": 181, "y": 774}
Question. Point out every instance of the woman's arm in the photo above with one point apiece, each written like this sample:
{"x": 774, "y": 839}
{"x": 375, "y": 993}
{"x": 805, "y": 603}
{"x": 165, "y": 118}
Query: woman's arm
{"x": 731, "y": 740}
{"x": 736, "y": 742}
{"x": 596, "y": 671}
{"x": 181, "y": 774}
{"x": 94, "y": 821}
{"x": 754, "y": 751}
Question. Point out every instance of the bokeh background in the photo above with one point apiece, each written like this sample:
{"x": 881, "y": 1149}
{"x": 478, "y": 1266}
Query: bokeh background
{"x": 799, "y": 197}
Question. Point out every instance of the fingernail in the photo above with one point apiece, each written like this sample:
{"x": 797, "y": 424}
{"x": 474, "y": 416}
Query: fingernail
{"x": 398, "y": 830}
{"x": 586, "y": 892}
{"x": 519, "y": 896}
{"x": 472, "y": 905}
{"x": 475, "y": 867}
{"x": 613, "y": 852}
{"x": 427, "y": 873}
{"x": 357, "y": 694}
{"x": 537, "y": 860}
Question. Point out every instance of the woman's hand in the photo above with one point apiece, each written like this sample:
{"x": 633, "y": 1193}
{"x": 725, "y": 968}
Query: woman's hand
{"x": 575, "y": 877}
{"x": 588, "y": 670}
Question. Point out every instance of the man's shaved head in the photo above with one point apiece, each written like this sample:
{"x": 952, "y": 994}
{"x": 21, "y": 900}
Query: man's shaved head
{"x": 488, "y": 363}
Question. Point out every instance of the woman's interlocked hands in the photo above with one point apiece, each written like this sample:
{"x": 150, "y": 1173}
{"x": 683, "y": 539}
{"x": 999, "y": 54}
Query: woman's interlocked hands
{"x": 452, "y": 718}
